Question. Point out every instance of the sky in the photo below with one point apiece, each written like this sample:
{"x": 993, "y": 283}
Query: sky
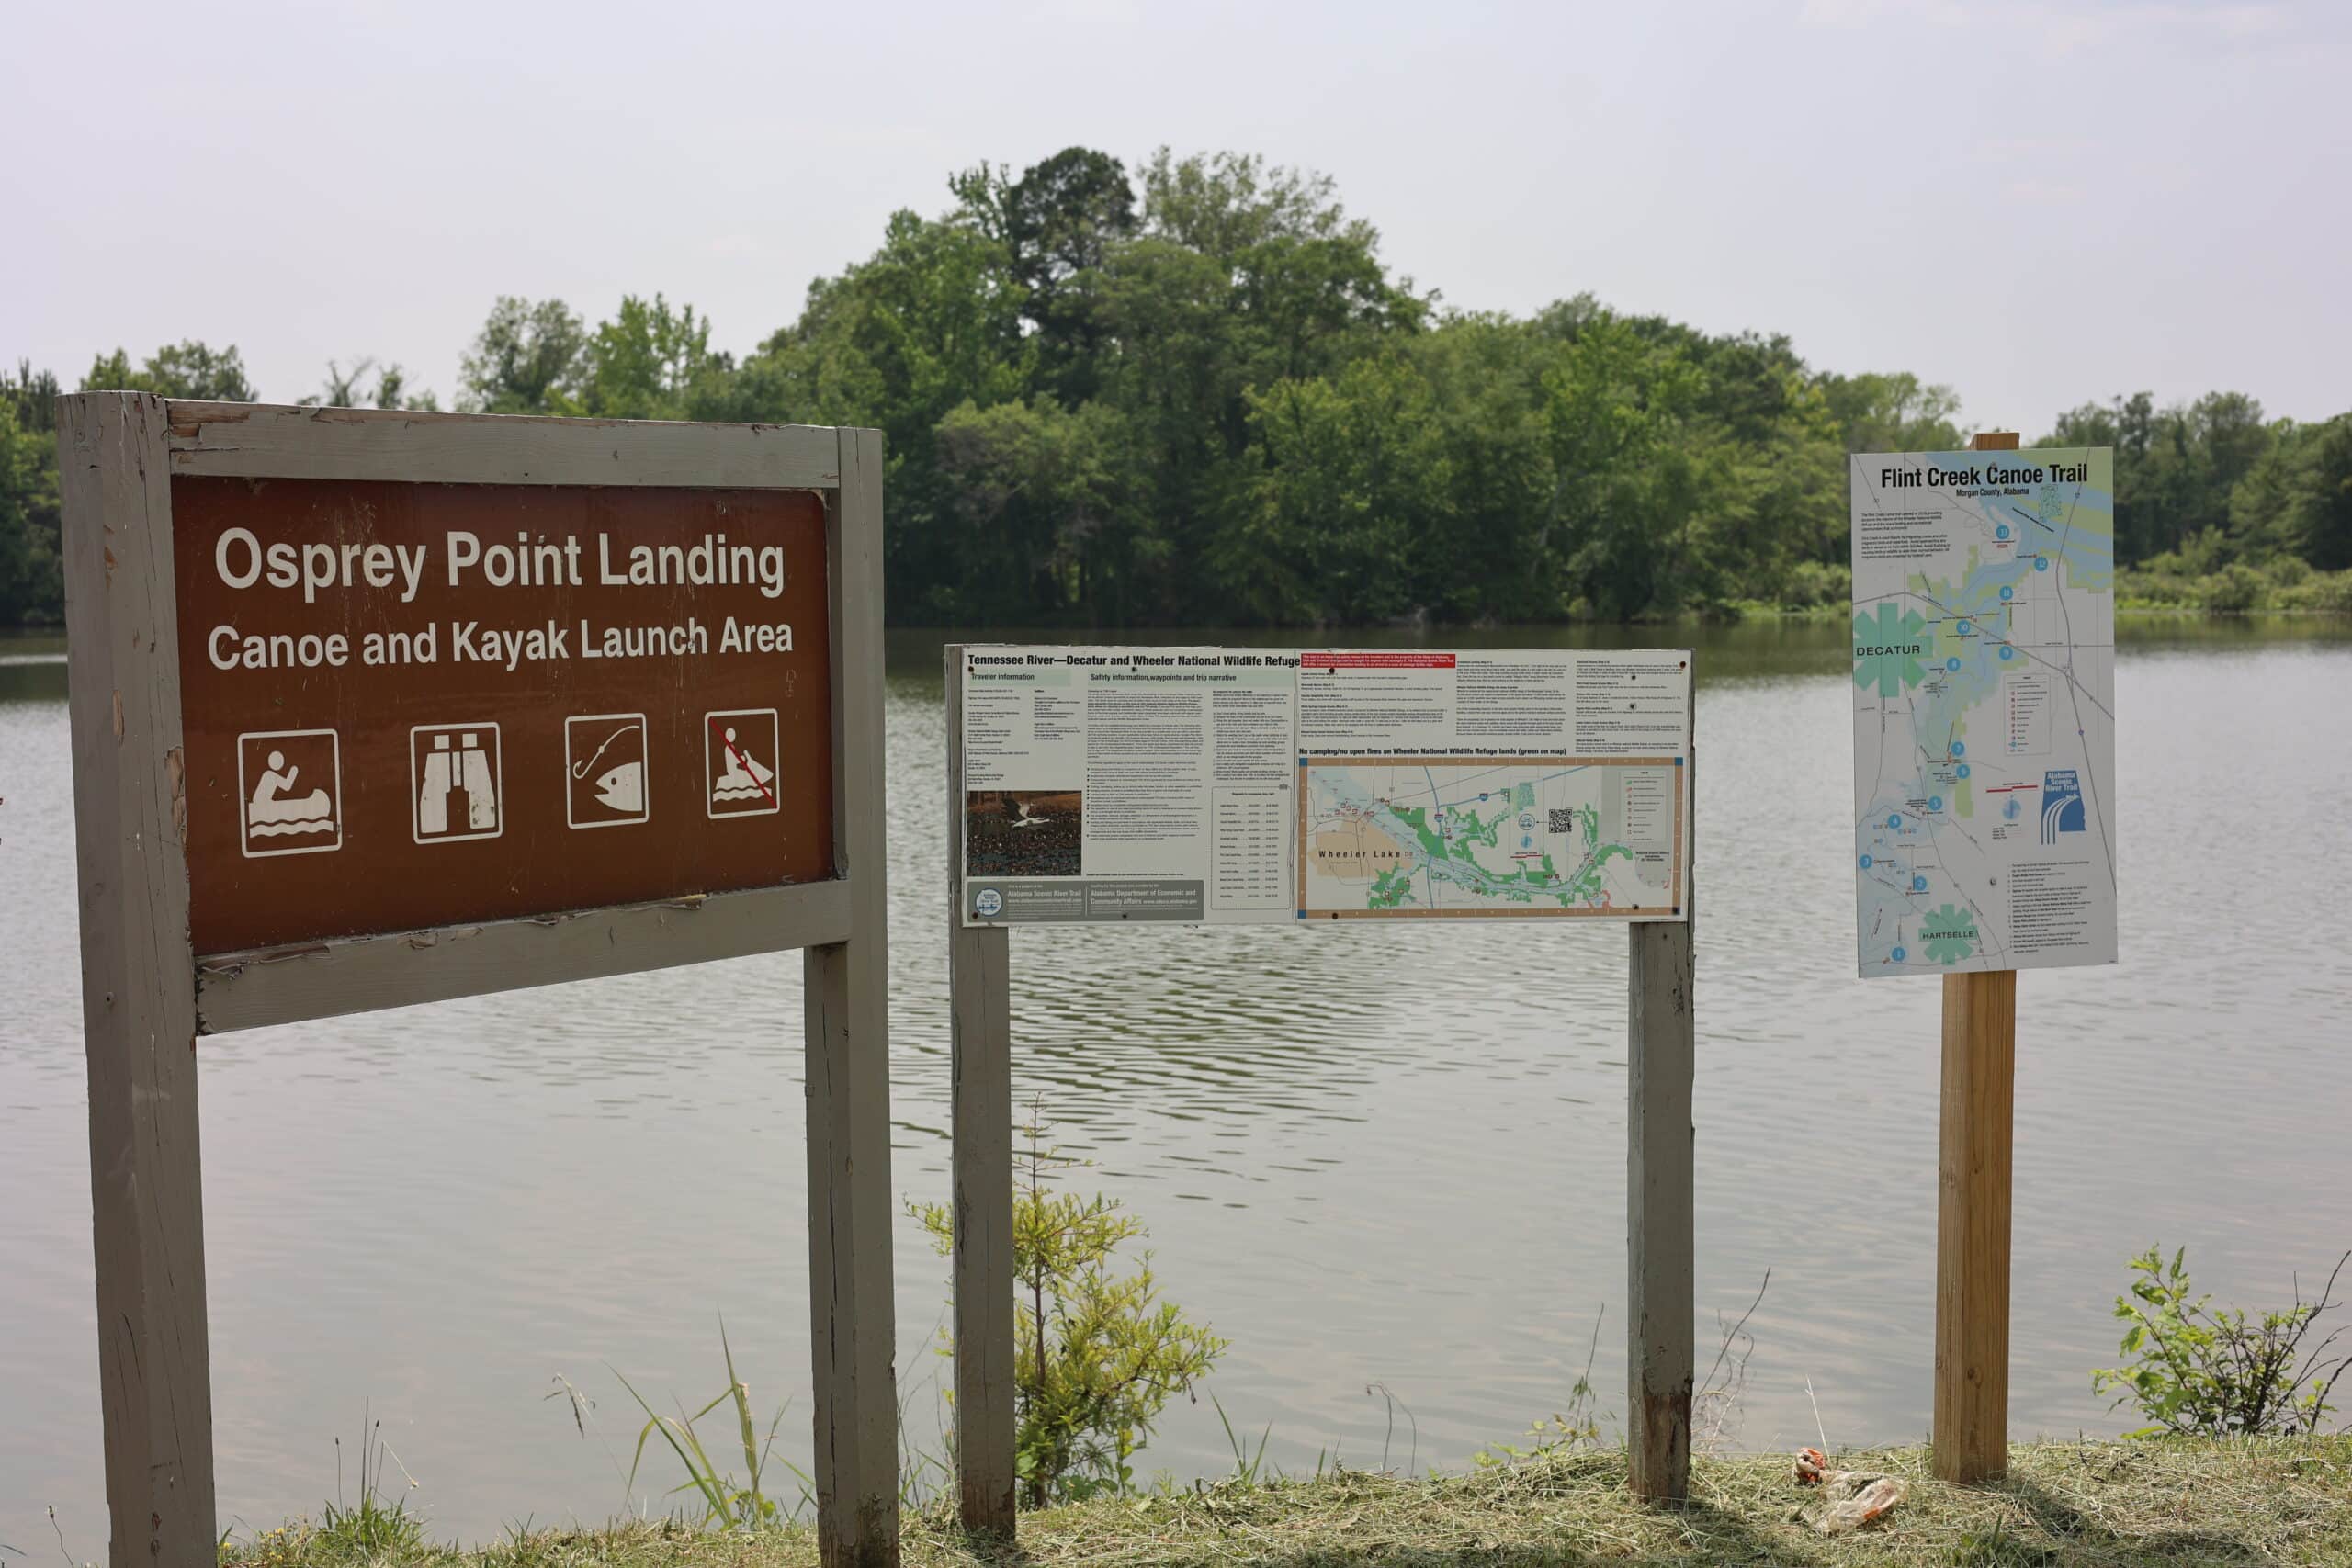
{"x": 2038, "y": 205}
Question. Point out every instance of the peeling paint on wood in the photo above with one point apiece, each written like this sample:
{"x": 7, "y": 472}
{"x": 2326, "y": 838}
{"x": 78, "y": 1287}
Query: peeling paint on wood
{"x": 283, "y": 985}
{"x": 138, "y": 983}
{"x": 980, "y": 988}
{"x": 1660, "y": 1200}
{"x": 851, "y": 1203}
{"x": 278, "y": 441}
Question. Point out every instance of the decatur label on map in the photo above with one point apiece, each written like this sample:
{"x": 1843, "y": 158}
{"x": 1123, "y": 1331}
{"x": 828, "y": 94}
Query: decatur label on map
{"x": 1983, "y": 643}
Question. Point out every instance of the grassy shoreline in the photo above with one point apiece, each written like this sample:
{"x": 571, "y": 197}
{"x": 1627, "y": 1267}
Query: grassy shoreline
{"x": 2272, "y": 1501}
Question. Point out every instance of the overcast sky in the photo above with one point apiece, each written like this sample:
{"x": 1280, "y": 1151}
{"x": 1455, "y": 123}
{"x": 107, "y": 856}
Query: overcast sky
{"x": 2039, "y": 204}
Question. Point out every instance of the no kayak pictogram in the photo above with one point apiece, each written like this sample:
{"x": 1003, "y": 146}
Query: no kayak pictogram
{"x": 739, "y": 763}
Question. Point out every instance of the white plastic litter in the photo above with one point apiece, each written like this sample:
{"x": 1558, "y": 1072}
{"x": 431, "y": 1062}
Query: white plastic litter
{"x": 1850, "y": 1498}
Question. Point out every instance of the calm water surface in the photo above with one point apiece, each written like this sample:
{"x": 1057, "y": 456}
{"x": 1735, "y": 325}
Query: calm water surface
{"x": 1391, "y": 1154}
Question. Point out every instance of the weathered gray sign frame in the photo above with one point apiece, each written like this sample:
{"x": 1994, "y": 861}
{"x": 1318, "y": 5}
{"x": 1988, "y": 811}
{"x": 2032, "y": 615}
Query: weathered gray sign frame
{"x": 1660, "y": 1176}
{"x": 147, "y": 998}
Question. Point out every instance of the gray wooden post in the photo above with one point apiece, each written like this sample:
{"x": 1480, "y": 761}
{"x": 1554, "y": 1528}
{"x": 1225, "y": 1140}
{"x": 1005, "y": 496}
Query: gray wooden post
{"x": 853, "y": 1319}
{"x": 1659, "y": 1204}
{"x": 980, "y": 1001}
{"x": 138, "y": 978}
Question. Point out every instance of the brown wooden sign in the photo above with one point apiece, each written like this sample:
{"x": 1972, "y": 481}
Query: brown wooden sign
{"x": 377, "y": 709}
{"x": 416, "y": 705}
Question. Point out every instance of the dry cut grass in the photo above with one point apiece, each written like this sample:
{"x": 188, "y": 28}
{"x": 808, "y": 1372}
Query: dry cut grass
{"x": 2076, "y": 1504}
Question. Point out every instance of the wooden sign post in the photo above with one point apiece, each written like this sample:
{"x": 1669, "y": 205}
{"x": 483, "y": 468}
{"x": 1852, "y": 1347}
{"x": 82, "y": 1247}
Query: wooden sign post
{"x": 1660, "y": 1030}
{"x": 1985, "y": 785}
{"x": 1972, "y": 1419}
{"x": 1661, "y": 1195}
{"x": 378, "y": 708}
{"x": 1976, "y": 1135}
{"x": 979, "y": 985}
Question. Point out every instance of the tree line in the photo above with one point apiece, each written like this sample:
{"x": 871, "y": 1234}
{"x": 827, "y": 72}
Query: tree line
{"x": 1195, "y": 393}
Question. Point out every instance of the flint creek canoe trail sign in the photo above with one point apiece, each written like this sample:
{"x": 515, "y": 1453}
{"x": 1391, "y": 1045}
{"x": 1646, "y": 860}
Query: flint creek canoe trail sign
{"x": 472, "y": 677}
{"x": 1985, "y": 798}
{"x": 378, "y": 708}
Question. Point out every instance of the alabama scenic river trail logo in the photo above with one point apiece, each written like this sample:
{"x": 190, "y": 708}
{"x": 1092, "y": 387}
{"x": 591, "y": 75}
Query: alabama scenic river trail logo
{"x": 604, "y": 768}
{"x": 291, "y": 784}
{"x": 2062, "y": 804}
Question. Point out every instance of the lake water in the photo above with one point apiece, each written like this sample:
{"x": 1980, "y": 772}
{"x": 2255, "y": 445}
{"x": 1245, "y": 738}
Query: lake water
{"x": 1392, "y": 1155}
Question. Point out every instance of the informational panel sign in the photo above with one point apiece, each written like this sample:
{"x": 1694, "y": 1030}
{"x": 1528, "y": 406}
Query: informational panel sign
{"x": 1475, "y": 783}
{"x": 413, "y": 705}
{"x": 1232, "y": 786}
{"x": 1983, "y": 709}
{"x": 1110, "y": 784}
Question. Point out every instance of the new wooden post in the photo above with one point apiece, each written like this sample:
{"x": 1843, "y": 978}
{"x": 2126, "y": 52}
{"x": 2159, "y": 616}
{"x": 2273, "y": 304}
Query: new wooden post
{"x": 853, "y": 1318}
{"x": 1980, "y": 1044}
{"x": 138, "y": 978}
{"x": 1661, "y": 1349}
{"x": 980, "y": 1001}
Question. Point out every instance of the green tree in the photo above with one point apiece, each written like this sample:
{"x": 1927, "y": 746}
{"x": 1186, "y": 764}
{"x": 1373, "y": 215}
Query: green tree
{"x": 1784, "y": 500}
{"x": 1038, "y": 506}
{"x": 1894, "y": 412}
{"x": 651, "y": 362}
{"x": 929, "y": 323}
{"x": 1353, "y": 469}
{"x": 1497, "y": 555}
{"x": 1059, "y": 223}
{"x": 32, "y": 583}
{"x": 2176, "y": 468}
{"x": 1192, "y": 390}
{"x": 2209, "y": 1374}
{"x": 525, "y": 359}
{"x": 1224, "y": 204}
{"x": 2296, "y": 499}
{"x": 1240, "y": 276}
{"x": 190, "y": 369}
{"x": 1180, "y": 392}
{"x": 349, "y": 389}
{"x": 2319, "y": 522}
{"x": 1646, "y": 484}
{"x": 1097, "y": 1353}
{"x": 31, "y": 395}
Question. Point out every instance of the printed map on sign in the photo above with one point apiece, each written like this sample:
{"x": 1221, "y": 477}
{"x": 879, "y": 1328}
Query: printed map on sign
{"x": 1474, "y": 836}
{"x": 1247, "y": 785}
{"x": 1984, "y": 710}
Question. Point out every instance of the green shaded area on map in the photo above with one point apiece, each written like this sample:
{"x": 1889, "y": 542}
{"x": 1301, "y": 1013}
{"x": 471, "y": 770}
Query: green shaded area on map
{"x": 1527, "y": 841}
{"x": 1948, "y": 935}
{"x": 1888, "y": 650}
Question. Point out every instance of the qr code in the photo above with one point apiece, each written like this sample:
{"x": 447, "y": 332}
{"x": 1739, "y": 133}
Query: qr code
{"x": 1563, "y": 819}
